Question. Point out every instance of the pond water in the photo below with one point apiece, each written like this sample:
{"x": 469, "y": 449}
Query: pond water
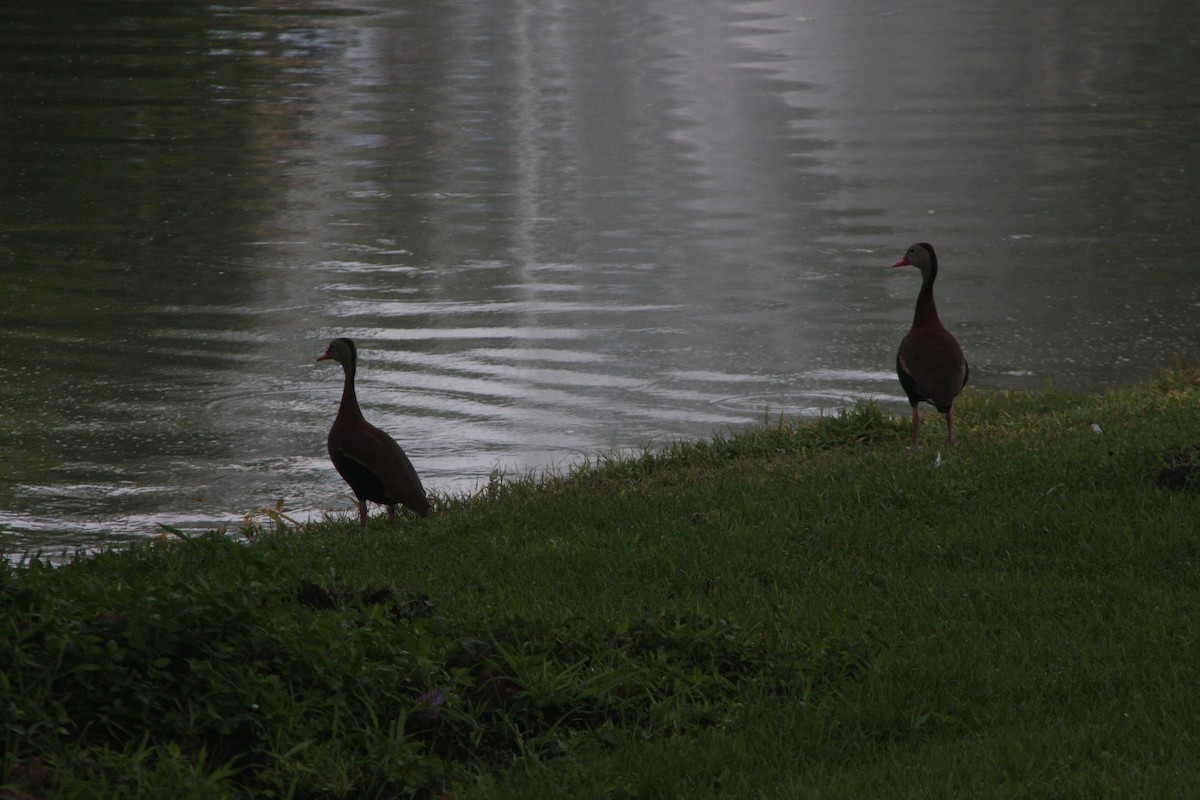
{"x": 553, "y": 228}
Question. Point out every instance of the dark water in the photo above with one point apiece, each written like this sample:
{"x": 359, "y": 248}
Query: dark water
{"x": 554, "y": 228}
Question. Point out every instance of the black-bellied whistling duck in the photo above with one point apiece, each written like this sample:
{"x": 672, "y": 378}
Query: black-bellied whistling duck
{"x": 930, "y": 363}
{"x": 366, "y": 457}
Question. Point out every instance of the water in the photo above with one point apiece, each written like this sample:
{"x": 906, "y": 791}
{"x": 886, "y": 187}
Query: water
{"x": 553, "y": 228}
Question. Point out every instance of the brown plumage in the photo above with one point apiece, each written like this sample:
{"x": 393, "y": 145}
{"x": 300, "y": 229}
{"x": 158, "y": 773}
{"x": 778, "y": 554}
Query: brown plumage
{"x": 366, "y": 457}
{"x": 930, "y": 364}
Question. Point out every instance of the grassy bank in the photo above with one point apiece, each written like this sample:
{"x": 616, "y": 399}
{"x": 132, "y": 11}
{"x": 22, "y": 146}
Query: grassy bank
{"x": 806, "y": 610}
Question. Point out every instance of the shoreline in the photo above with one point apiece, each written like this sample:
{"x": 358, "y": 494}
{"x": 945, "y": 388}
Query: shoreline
{"x": 802, "y": 607}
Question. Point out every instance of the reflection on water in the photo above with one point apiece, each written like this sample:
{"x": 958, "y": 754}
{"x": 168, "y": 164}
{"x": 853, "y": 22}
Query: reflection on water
{"x": 553, "y": 229}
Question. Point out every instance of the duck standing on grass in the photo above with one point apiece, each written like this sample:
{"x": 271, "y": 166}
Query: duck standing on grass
{"x": 369, "y": 460}
{"x": 930, "y": 364}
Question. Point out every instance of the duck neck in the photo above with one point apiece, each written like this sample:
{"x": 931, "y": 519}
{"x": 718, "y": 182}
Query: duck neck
{"x": 349, "y": 408}
{"x": 926, "y": 315}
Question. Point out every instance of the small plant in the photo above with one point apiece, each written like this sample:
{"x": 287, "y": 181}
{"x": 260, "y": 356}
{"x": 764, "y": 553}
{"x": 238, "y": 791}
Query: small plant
{"x": 1181, "y": 467}
{"x": 269, "y": 520}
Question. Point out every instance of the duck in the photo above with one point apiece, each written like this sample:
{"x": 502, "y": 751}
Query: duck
{"x": 930, "y": 363}
{"x": 370, "y": 461}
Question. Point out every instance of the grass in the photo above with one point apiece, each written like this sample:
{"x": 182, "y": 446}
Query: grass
{"x": 807, "y": 609}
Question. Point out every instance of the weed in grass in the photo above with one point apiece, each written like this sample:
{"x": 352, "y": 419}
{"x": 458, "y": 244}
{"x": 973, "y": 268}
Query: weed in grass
{"x": 1181, "y": 468}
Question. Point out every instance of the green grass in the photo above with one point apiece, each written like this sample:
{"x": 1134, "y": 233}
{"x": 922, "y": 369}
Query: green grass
{"x": 801, "y": 610}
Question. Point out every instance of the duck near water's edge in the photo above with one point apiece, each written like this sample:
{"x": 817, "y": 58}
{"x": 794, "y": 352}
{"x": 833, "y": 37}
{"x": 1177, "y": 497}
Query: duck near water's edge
{"x": 369, "y": 460}
{"x": 929, "y": 363}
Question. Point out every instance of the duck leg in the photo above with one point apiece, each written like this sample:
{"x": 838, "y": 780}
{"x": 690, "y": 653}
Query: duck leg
{"x": 916, "y": 424}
